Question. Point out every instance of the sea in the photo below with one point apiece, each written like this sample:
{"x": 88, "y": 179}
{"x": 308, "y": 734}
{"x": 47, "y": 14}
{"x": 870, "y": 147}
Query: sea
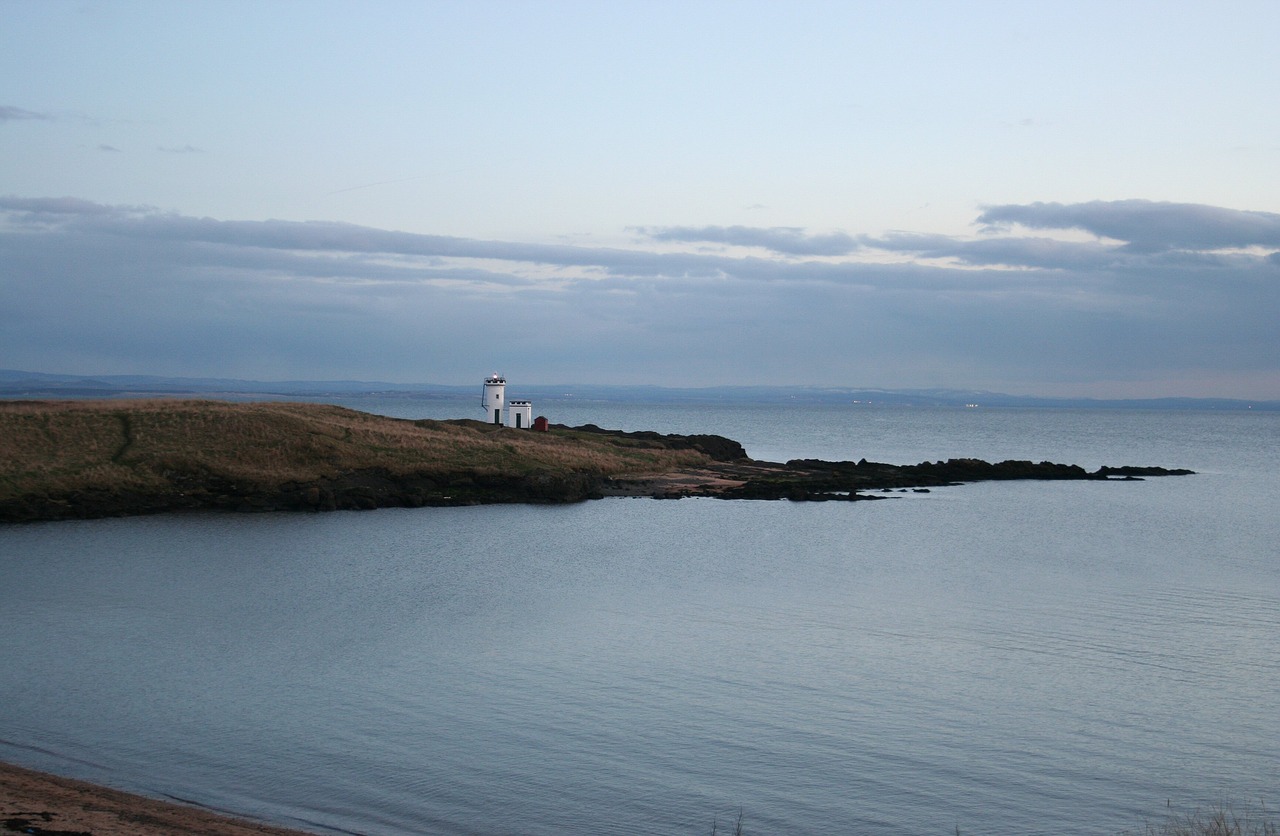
{"x": 995, "y": 658}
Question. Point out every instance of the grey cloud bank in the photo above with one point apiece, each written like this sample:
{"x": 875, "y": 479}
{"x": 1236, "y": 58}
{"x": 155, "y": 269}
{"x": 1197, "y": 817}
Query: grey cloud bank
{"x": 1146, "y": 225}
{"x": 1174, "y": 308}
{"x": 783, "y": 240}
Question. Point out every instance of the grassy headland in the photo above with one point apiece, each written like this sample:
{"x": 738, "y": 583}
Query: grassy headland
{"x": 96, "y": 458}
{"x": 78, "y": 459}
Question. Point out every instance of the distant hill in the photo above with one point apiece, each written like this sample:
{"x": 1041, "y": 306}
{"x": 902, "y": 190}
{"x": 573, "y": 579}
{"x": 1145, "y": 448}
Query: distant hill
{"x": 24, "y": 384}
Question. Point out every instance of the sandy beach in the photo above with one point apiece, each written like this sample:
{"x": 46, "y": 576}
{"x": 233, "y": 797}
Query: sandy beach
{"x": 38, "y": 803}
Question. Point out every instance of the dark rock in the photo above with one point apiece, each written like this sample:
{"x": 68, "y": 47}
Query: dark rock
{"x": 1109, "y": 472}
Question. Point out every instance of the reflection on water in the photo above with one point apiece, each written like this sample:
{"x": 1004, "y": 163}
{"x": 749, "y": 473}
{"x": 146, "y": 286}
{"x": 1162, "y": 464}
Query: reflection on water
{"x": 1030, "y": 658}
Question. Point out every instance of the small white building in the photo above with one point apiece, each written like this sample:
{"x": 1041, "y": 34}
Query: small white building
{"x": 520, "y": 414}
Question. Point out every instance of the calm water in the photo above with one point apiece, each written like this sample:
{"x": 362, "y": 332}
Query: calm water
{"x": 1021, "y": 658}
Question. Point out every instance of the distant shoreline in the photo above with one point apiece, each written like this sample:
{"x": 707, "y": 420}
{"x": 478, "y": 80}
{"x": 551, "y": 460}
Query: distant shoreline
{"x": 39, "y": 803}
{"x": 16, "y": 383}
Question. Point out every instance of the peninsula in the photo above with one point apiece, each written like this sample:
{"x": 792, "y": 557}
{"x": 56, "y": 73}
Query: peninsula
{"x": 70, "y": 459}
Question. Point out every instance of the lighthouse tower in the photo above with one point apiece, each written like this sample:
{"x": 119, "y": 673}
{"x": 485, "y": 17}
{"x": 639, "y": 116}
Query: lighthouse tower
{"x": 494, "y": 399}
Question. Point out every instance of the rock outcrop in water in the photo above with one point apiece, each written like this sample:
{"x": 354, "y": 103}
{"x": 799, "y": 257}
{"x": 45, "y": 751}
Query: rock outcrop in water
{"x": 84, "y": 459}
{"x": 816, "y": 480}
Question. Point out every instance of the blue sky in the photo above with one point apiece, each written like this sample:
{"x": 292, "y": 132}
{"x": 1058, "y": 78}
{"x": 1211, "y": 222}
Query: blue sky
{"x": 1051, "y": 198}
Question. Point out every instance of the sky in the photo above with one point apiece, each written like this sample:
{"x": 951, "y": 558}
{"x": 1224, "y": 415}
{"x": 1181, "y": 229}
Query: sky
{"x": 1045, "y": 198}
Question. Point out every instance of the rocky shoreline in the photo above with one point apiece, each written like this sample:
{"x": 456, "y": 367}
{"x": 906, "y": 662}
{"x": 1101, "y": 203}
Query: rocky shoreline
{"x": 41, "y": 804}
{"x": 725, "y": 472}
{"x": 813, "y": 480}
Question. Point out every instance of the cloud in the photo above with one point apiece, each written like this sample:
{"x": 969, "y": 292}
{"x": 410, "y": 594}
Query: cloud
{"x": 110, "y": 148}
{"x": 50, "y": 208}
{"x": 96, "y": 288}
{"x": 73, "y": 215}
{"x": 1009, "y": 252}
{"x": 779, "y": 239}
{"x": 180, "y": 149}
{"x": 8, "y": 113}
{"x": 1145, "y": 225}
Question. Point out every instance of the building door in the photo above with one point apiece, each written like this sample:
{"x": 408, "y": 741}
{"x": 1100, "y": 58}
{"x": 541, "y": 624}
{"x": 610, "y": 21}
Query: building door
{"x": 497, "y": 416}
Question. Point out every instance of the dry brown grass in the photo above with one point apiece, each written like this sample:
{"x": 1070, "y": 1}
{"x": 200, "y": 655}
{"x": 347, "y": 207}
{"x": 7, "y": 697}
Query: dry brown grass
{"x": 60, "y": 446}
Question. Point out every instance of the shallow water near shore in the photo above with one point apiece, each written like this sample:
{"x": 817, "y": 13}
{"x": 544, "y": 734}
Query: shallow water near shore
{"x": 1002, "y": 658}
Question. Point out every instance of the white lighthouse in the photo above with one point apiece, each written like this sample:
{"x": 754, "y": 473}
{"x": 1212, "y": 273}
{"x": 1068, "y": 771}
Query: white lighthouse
{"x": 494, "y": 399}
